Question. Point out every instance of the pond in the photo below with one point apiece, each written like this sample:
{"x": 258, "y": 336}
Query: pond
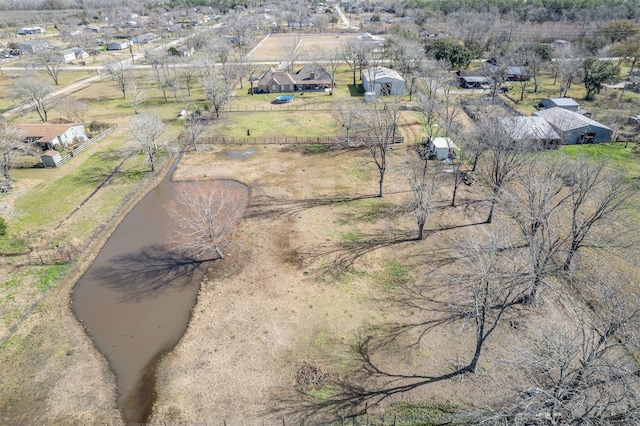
{"x": 135, "y": 300}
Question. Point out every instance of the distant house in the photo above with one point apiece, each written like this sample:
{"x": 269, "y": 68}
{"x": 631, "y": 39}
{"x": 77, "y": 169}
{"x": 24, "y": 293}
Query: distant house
{"x": 382, "y": 81}
{"x": 566, "y": 103}
{"x": 443, "y": 148}
{"x": 312, "y": 77}
{"x": 536, "y": 131}
{"x": 31, "y": 30}
{"x": 575, "y": 128}
{"x": 429, "y": 33}
{"x": 372, "y": 40}
{"x": 68, "y": 55}
{"x": 472, "y": 79}
{"x": 33, "y": 46}
{"x": 49, "y": 135}
{"x": 517, "y": 74}
{"x": 119, "y": 45}
{"x": 182, "y": 51}
{"x": 145, "y": 38}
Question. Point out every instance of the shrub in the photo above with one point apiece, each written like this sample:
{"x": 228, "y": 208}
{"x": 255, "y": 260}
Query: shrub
{"x": 3, "y": 226}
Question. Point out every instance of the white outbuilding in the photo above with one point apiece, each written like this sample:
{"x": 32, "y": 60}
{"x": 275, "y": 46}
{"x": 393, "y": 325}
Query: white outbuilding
{"x": 382, "y": 81}
{"x": 443, "y": 148}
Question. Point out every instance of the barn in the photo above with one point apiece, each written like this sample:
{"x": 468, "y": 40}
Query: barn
{"x": 382, "y": 81}
{"x": 575, "y": 128}
{"x": 535, "y": 131}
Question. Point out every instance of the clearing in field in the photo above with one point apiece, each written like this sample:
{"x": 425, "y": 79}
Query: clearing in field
{"x": 309, "y": 46}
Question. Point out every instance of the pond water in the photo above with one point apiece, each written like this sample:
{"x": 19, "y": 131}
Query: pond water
{"x": 135, "y": 300}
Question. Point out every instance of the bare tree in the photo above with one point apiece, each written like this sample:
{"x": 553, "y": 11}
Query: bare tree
{"x": 73, "y": 109}
{"x": 424, "y": 186}
{"x": 194, "y": 123}
{"x": 121, "y": 72}
{"x": 490, "y": 283}
{"x": 348, "y": 117}
{"x": 203, "y": 218}
{"x": 188, "y": 72}
{"x": 137, "y": 96}
{"x": 503, "y": 155}
{"x": 36, "y": 93}
{"x": 147, "y": 131}
{"x": 581, "y": 370}
{"x": 290, "y": 53}
{"x": 217, "y": 93}
{"x": 537, "y": 205}
{"x": 50, "y": 63}
{"x": 351, "y": 55}
{"x": 11, "y": 143}
{"x": 378, "y": 133}
{"x": 596, "y": 194}
{"x": 568, "y": 65}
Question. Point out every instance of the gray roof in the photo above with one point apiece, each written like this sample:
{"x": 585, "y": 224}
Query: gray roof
{"x": 304, "y": 75}
{"x": 565, "y": 120}
{"x": 280, "y": 77}
{"x": 529, "y": 128}
{"x": 379, "y": 73}
{"x": 563, "y": 101}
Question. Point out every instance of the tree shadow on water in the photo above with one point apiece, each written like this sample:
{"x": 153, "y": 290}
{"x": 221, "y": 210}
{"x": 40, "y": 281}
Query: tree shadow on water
{"x": 149, "y": 272}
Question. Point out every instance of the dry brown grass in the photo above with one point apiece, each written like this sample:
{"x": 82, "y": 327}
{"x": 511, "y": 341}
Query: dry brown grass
{"x": 310, "y": 46}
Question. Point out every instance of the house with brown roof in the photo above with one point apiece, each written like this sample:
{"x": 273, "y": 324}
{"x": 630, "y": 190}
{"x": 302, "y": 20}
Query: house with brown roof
{"x": 312, "y": 77}
{"x": 50, "y": 135}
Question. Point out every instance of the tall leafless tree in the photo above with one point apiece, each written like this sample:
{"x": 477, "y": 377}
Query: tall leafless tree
{"x": 203, "y": 218}
{"x": 503, "y": 155}
{"x": 147, "y": 130}
{"x": 596, "y": 195}
{"x": 378, "y": 133}
{"x": 217, "y": 93}
{"x": 121, "y": 72}
{"x": 73, "y": 109}
{"x": 51, "y": 64}
{"x": 36, "y": 93}
{"x": 424, "y": 185}
{"x": 11, "y": 143}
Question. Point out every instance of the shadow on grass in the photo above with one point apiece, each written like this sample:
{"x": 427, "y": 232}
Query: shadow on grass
{"x": 265, "y": 206}
{"x": 356, "y": 90}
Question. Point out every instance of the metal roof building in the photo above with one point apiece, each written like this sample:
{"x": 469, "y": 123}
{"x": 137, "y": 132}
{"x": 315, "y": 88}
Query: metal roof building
{"x": 535, "y": 130}
{"x": 575, "y": 128}
{"x": 382, "y": 81}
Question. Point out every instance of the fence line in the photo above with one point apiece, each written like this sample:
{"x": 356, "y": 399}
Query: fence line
{"x": 292, "y": 107}
{"x": 291, "y": 140}
{"x": 86, "y": 145}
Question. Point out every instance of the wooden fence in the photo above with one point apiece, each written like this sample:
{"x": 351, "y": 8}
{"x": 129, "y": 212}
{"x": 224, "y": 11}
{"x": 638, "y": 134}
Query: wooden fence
{"x": 86, "y": 145}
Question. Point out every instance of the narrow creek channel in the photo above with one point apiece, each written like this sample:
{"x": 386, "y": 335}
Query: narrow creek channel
{"x": 135, "y": 300}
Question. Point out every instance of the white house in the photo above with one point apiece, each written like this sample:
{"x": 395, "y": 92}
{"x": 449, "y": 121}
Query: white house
{"x": 443, "y": 148}
{"x": 49, "y": 135}
{"x": 145, "y": 38}
{"x": 118, "y": 45}
{"x": 30, "y": 30}
{"x": 382, "y": 81}
{"x": 68, "y": 55}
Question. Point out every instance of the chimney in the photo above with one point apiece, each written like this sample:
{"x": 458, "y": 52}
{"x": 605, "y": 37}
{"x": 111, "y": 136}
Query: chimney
{"x": 312, "y": 75}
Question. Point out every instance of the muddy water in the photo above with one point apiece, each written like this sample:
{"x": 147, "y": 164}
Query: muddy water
{"x": 135, "y": 300}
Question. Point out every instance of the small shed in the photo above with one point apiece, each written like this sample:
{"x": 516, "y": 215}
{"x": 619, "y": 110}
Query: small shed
{"x": 51, "y": 158}
{"x": 566, "y": 103}
{"x": 382, "y": 81}
{"x": 575, "y": 128}
{"x": 118, "y": 45}
{"x": 443, "y": 148}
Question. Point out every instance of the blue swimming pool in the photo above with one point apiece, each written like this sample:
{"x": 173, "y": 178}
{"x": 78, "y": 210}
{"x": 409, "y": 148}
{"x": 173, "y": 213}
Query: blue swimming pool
{"x": 284, "y": 99}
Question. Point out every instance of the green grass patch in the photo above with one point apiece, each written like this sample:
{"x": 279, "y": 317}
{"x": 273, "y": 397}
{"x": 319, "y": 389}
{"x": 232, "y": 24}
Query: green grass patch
{"x": 315, "y": 148}
{"x": 421, "y": 414}
{"x": 49, "y": 276}
{"x": 324, "y": 393}
{"x": 352, "y": 236}
{"x": 368, "y": 210}
{"x": 393, "y": 274}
